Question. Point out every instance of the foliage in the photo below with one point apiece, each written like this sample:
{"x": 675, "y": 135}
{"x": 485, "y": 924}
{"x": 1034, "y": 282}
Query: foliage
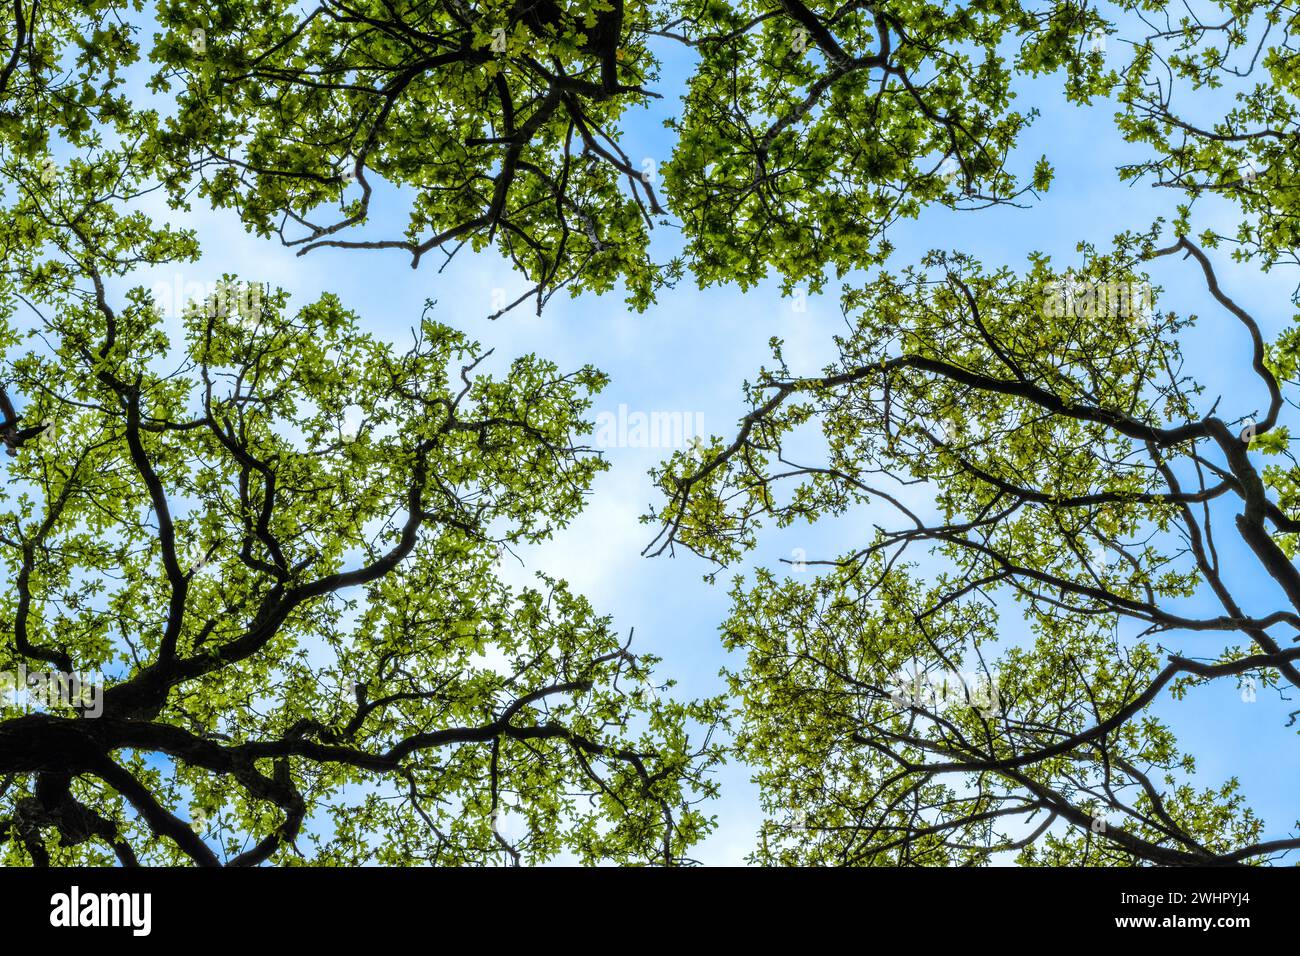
{"x": 896, "y": 711}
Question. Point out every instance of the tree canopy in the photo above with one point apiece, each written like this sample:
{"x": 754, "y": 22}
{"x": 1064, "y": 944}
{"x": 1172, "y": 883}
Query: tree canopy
{"x": 275, "y": 541}
{"x": 806, "y": 129}
{"x": 1077, "y": 485}
{"x": 298, "y": 617}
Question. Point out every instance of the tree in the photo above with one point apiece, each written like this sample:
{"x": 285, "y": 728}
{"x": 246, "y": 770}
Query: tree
{"x": 1074, "y": 471}
{"x": 806, "y": 129}
{"x": 307, "y": 653}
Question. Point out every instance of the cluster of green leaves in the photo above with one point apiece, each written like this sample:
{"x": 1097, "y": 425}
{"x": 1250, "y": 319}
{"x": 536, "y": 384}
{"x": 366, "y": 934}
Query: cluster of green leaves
{"x": 1212, "y": 90}
{"x": 499, "y": 117}
{"x": 71, "y": 156}
{"x": 834, "y": 693}
{"x": 280, "y": 542}
{"x": 808, "y": 129}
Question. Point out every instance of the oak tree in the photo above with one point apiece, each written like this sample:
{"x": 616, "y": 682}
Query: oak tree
{"x": 280, "y": 558}
{"x": 1033, "y": 450}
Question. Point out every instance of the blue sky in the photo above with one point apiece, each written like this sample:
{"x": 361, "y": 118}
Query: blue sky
{"x": 691, "y": 351}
